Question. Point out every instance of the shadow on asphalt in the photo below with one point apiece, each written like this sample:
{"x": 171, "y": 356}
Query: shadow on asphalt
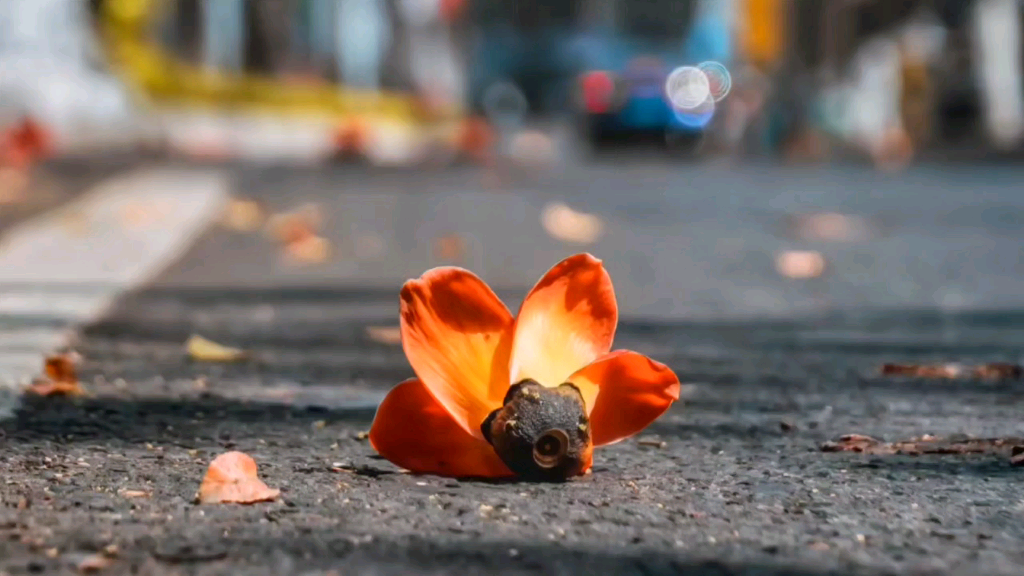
{"x": 183, "y": 422}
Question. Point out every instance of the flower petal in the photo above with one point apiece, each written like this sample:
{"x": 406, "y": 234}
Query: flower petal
{"x": 414, "y": 431}
{"x": 457, "y": 335}
{"x": 566, "y": 322}
{"x": 631, "y": 392}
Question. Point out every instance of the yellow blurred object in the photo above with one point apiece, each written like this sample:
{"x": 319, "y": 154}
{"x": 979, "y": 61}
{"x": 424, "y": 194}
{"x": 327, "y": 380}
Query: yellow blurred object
{"x": 764, "y": 30}
{"x": 164, "y": 78}
{"x": 204, "y": 350}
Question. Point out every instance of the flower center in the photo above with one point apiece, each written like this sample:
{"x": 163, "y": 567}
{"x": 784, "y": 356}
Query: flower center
{"x": 550, "y": 448}
{"x": 541, "y": 433}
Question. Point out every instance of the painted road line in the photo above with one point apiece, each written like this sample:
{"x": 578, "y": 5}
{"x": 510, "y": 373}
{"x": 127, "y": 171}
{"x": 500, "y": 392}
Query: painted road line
{"x": 67, "y": 267}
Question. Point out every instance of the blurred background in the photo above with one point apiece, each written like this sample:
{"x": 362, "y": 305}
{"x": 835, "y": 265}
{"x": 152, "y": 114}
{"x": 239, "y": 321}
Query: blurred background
{"x": 804, "y": 81}
{"x": 723, "y": 155}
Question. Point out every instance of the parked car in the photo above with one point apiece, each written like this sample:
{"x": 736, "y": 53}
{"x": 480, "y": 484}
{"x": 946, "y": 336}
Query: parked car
{"x": 625, "y": 63}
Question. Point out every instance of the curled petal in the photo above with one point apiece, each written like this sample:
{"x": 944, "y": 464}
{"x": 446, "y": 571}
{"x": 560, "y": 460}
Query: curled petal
{"x": 566, "y": 322}
{"x": 414, "y": 431}
{"x": 457, "y": 335}
{"x": 625, "y": 392}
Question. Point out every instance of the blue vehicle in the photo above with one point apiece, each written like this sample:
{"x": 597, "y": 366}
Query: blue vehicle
{"x": 625, "y": 60}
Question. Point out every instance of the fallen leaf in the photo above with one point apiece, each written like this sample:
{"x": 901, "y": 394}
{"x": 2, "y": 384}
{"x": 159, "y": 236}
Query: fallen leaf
{"x": 924, "y": 445}
{"x": 232, "y": 479}
{"x": 310, "y": 250}
{"x": 449, "y": 247}
{"x": 568, "y": 225}
{"x": 243, "y": 215}
{"x": 800, "y": 264}
{"x": 204, "y": 350}
{"x": 134, "y": 494}
{"x": 295, "y": 225}
{"x": 59, "y": 378}
{"x": 94, "y": 563}
{"x": 13, "y": 185}
{"x": 385, "y": 334}
{"x": 951, "y": 371}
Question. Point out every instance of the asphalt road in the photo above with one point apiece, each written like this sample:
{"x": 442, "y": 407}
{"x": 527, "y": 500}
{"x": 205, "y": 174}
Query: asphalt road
{"x": 774, "y": 368}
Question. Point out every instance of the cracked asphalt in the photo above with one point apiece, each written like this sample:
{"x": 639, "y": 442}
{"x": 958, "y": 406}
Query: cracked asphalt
{"x": 731, "y": 481}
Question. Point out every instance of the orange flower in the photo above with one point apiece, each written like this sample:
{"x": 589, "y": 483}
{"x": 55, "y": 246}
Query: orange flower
{"x": 467, "y": 350}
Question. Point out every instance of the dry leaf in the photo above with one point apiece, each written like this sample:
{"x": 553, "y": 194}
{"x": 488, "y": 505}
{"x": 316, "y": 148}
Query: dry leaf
{"x": 926, "y": 444}
{"x": 59, "y": 377}
{"x": 94, "y": 563}
{"x": 951, "y": 371}
{"x": 565, "y": 224}
{"x": 800, "y": 264}
{"x": 311, "y": 250}
{"x": 134, "y": 494}
{"x": 243, "y": 215}
{"x": 385, "y": 334}
{"x": 449, "y": 248}
{"x": 232, "y": 479}
{"x": 204, "y": 350}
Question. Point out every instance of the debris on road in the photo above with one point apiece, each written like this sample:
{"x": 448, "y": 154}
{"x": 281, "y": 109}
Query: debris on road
{"x": 203, "y": 350}
{"x": 800, "y": 264}
{"x": 926, "y": 444}
{"x": 952, "y": 371}
{"x": 243, "y": 215}
{"x": 298, "y": 231}
{"x": 59, "y": 377}
{"x": 232, "y": 479}
{"x": 385, "y": 334}
{"x": 570, "y": 226}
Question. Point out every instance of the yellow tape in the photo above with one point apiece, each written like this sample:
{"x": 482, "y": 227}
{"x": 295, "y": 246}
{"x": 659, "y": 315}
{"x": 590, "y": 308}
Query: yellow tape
{"x": 165, "y": 79}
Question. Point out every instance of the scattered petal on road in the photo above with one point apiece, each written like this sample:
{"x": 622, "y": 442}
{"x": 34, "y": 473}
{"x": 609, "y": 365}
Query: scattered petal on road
{"x": 94, "y": 563}
{"x": 950, "y": 371}
{"x": 385, "y": 334}
{"x": 204, "y": 350}
{"x": 533, "y": 148}
{"x": 449, "y": 248}
{"x": 800, "y": 264}
{"x": 926, "y": 444}
{"x": 243, "y": 215}
{"x": 311, "y": 250}
{"x": 565, "y": 224}
{"x": 232, "y": 479}
{"x": 59, "y": 377}
{"x": 830, "y": 227}
{"x": 13, "y": 184}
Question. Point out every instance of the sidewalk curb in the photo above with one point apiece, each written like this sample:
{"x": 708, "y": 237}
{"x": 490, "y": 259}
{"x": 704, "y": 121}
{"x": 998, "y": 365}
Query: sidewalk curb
{"x": 66, "y": 267}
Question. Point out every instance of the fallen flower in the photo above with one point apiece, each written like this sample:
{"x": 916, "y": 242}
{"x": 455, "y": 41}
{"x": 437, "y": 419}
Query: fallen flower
{"x": 59, "y": 377}
{"x": 204, "y": 350}
{"x": 232, "y": 479}
{"x": 498, "y": 396}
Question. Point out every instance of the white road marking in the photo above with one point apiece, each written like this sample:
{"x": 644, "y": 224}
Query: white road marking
{"x": 67, "y": 267}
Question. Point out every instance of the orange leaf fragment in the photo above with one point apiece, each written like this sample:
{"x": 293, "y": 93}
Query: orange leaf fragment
{"x": 59, "y": 377}
{"x": 232, "y": 479}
